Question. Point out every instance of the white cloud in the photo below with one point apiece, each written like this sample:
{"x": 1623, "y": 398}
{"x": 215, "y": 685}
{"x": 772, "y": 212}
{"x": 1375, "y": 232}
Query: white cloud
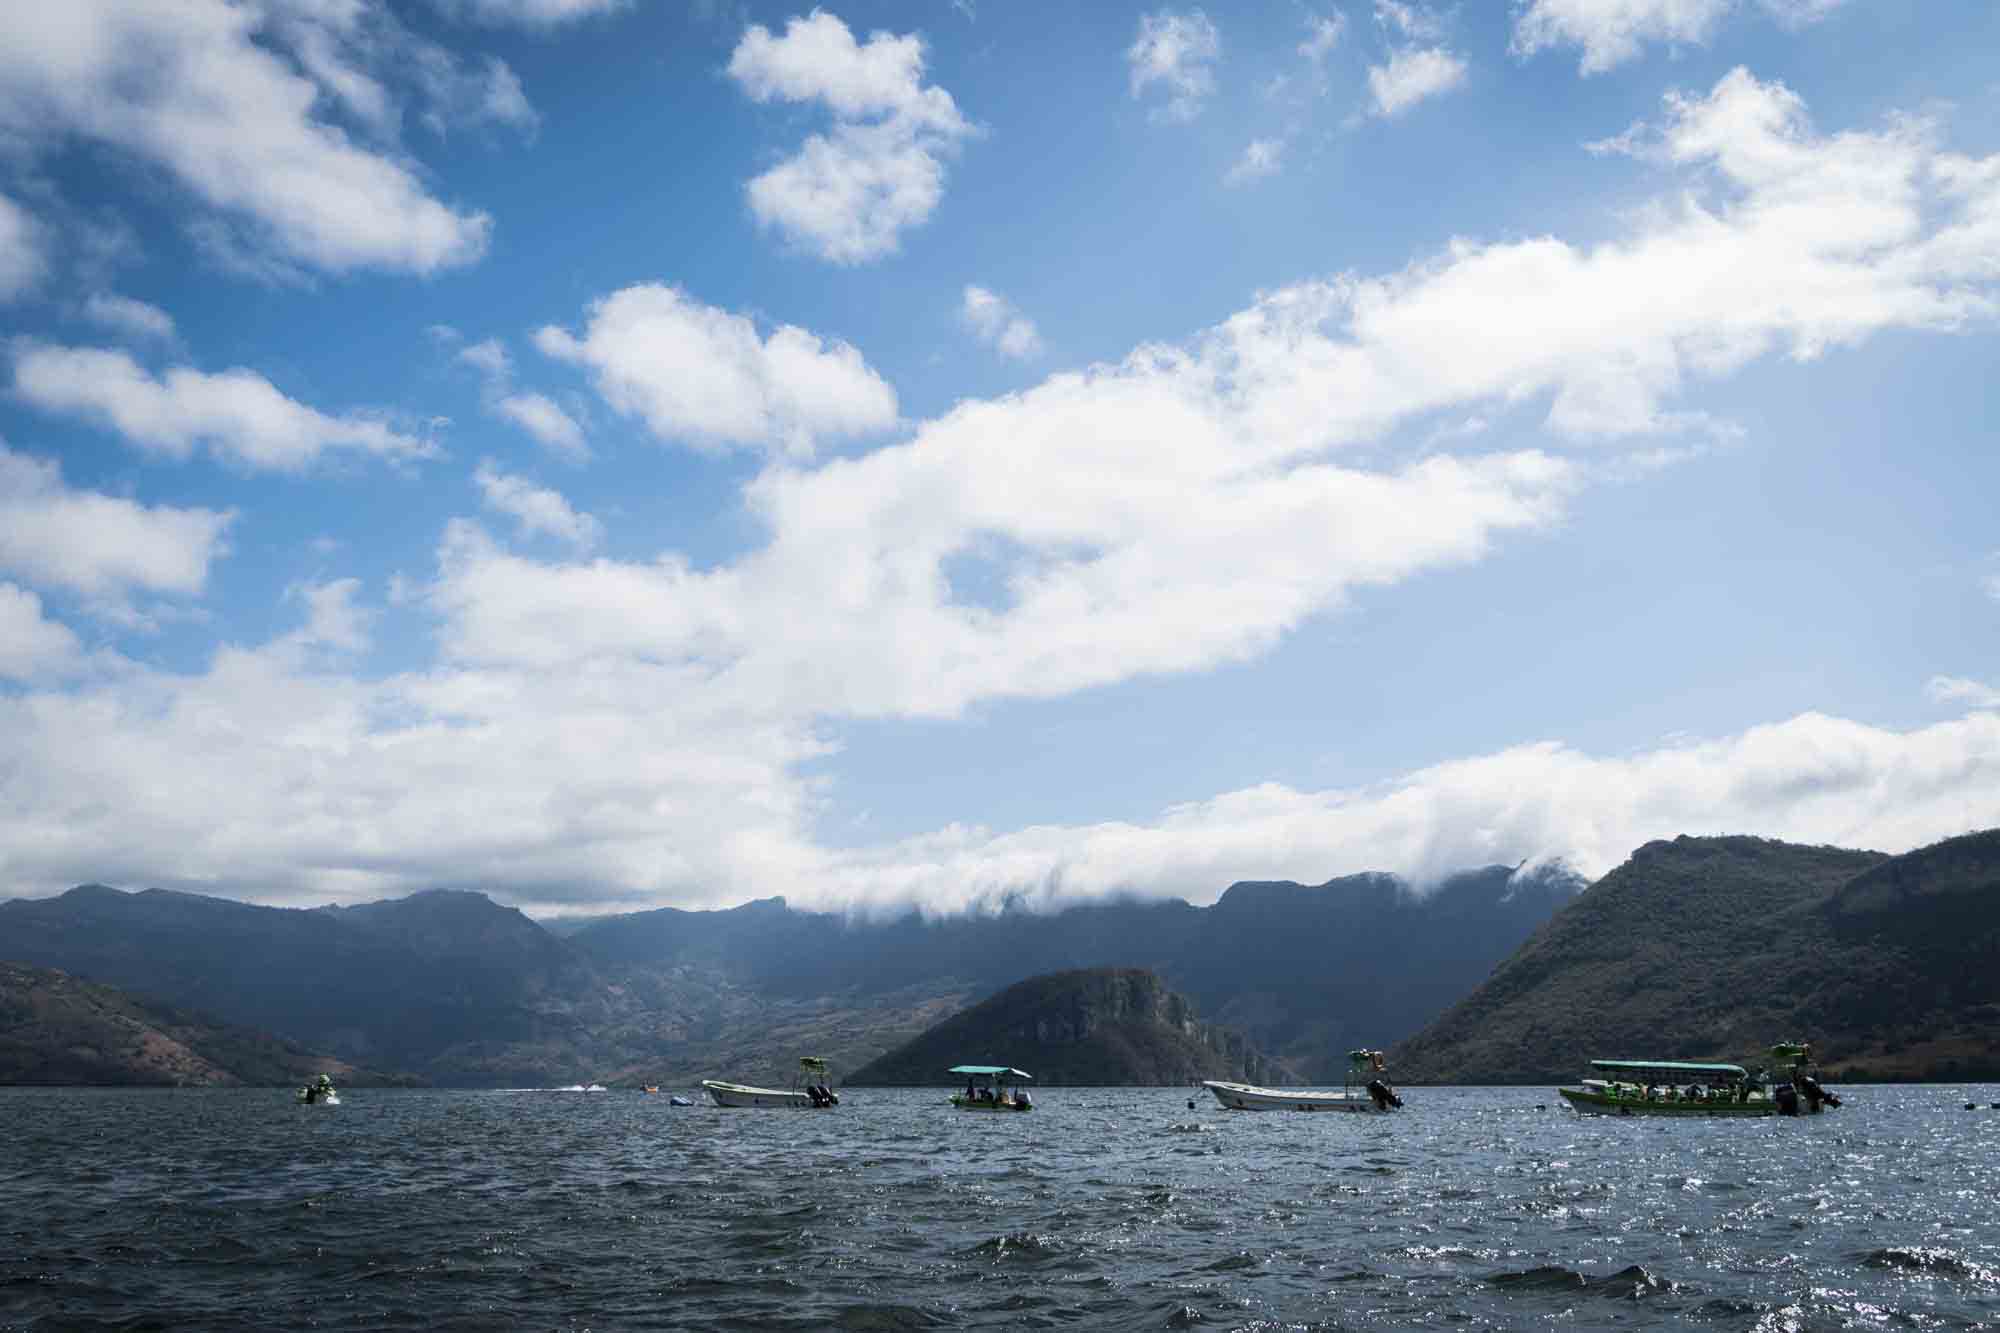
{"x": 539, "y": 415}
{"x": 1971, "y": 693}
{"x": 489, "y": 358}
{"x": 1177, "y": 51}
{"x": 176, "y": 83}
{"x": 1413, "y": 74}
{"x": 698, "y": 374}
{"x": 237, "y": 413}
{"x": 640, "y": 730}
{"x": 1417, "y": 23}
{"x": 536, "y": 509}
{"x": 334, "y": 621}
{"x": 849, "y": 196}
{"x": 1261, "y": 158}
{"x": 99, "y": 545}
{"x": 129, "y": 316}
{"x": 528, "y": 13}
{"x": 998, "y": 324}
{"x": 23, "y": 251}
{"x": 1812, "y": 779}
{"x": 1612, "y": 32}
{"x": 356, "y": 51}
{"x": 536, "y": 413}
{"x": 32, "y": 647}
{"x": 1323, "y": 33}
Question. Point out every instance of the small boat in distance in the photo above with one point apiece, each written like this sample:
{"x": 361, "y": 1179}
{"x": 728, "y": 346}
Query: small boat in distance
{"x": 809, "y": 1090}
{"x": 1366, "y": 1089}
{"x": 987, "y": 1088}
{"x": 1690, "y": 1088}
{"x": 319, "y": 1092}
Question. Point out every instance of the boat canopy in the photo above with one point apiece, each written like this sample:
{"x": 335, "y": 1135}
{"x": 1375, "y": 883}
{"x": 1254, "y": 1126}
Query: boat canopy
{"x": 992, "y": 1071}
{"x": 1669, "y": 1067}
{"x": 812, "y": 1062}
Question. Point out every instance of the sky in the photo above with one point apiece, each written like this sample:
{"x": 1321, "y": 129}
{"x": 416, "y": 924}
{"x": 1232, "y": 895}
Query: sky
{"x": 617, "y": 453}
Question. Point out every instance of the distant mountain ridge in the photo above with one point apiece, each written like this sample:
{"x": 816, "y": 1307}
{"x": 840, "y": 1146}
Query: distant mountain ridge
{"x": 1091, "y": 1026}
{"x": 450, "y": 986}
{"x": 1305, "y": 971}
{"x": 1718, "y": 947}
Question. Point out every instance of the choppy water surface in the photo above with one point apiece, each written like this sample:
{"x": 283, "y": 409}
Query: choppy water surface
{"x": 1103, "y": 1209}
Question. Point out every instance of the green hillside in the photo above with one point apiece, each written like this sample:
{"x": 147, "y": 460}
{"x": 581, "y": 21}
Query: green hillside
{"x": 57, "y": 1029}
{"x": 1716, "y": 947}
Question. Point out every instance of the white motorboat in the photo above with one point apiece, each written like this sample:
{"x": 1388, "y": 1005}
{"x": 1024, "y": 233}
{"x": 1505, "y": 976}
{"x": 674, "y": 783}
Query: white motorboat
{"x": 1366, "y": 1091}
{"x": 809, "y": 1090}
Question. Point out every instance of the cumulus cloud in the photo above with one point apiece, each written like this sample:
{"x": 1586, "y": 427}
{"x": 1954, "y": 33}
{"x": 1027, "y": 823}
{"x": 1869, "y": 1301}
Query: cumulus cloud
{"x": 1418, "y": 67}
{"x": 1413, "y": 74}
{"x": 1959, "y": 690}
{"x": 1177, "y": 52}
{"x": 174, "y": 85}
{"x": 996, "y": 322}
{"x": 1416, "y": 22}
{"x": 703, "y": 376}
{"x": 31, "y": 646}
{"x": 536, "y": 413}
{"x": 1612, "y": 32}
{"x": 1323, "y": 32}
{"x": 537, "y": 509}
{"x": 848, "y": 196}
{"x": 131, "y": 317}
{"x": 102, "y": 546}
{"x": 238, "y": 413}
{"x": 23, "y": 250}
{"x": 1811, "y": 779}
{"x": 645, "y": 730}
{"x": 1261, "y": 158}
{"x": 528, "y": 13}
{"x": 361, "y": 55}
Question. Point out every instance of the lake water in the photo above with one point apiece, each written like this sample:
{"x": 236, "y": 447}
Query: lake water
{"x": 1114, "y": 1208}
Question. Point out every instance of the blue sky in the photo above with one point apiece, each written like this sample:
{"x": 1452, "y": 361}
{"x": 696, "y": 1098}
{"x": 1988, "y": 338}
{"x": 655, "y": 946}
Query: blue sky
{"x": 626, "y": 454}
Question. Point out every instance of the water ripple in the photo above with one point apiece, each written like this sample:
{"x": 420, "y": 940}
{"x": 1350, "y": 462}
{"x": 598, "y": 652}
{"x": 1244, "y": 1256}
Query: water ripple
{"x": 1106, "y": 1209}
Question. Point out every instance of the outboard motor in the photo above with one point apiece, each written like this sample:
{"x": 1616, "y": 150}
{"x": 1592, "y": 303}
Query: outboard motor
{"x": 1787, "y": 1098}
{"x": 1384, "y": 1096}
{"x": 832, "y": 1097}
{"x": 1816, "y": 1096}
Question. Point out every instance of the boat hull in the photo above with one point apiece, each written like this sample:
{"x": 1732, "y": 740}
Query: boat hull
{"x": 1248, "y": 1097}
{"x": 965, "y": 1103}
{"x": 743, "y": 1095}
{"x": 1599, "y": 1103}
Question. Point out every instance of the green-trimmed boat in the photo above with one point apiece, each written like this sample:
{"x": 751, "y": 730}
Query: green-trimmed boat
{"x": 992, "y": 1088}
{"x": 1686, "y": 1088}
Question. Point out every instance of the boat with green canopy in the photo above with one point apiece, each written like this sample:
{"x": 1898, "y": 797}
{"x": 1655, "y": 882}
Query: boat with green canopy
{"x": 1691, "y": 1088}
{"x": 992, "y": 1088}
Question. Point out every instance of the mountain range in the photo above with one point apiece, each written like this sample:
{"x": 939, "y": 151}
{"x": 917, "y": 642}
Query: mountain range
{"x": 461, "y": 991}
{"x": 1693, "y": 948}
